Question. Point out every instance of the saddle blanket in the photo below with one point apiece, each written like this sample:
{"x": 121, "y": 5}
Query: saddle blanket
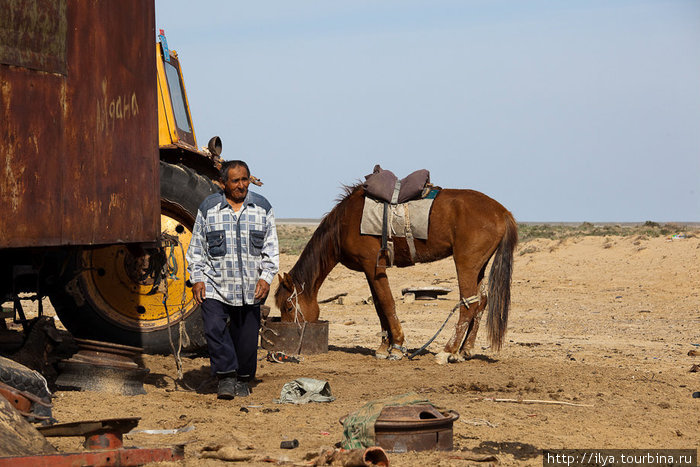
{"x": 418, "y": 214}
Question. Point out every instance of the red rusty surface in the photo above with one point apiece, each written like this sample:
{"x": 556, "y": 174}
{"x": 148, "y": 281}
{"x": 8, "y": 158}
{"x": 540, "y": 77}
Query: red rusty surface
{"x": 80, "y": 150}
{"x": 109, "y": 440}
{"x": 116, "y": 457}
{"x": 18, "y": 401}
{"x": 32, "y": 34}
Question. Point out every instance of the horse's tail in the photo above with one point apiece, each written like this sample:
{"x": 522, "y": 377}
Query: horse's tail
{"x": 499, "y": 284}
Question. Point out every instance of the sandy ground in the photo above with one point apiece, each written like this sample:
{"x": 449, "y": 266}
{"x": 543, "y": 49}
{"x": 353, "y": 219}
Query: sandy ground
{"x": 605, "y": 323}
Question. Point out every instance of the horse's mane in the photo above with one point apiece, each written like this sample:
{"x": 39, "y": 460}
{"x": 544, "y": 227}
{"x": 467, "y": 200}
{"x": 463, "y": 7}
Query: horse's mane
{"x": 322, "y": 251}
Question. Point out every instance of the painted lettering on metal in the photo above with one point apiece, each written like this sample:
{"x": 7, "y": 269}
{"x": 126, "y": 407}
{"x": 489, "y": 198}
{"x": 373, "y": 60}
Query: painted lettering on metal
{"x": 110, "y": 111}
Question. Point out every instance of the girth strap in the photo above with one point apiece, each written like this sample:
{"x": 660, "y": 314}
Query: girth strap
{"x": 409, "y": 234}
{"x": 387, "y": 248}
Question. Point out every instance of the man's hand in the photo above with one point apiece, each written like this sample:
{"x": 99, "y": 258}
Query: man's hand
{"x": 261, "y": 290}
{"x": 198, "y": 291}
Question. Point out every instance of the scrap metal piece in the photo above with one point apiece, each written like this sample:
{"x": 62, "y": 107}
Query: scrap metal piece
{"x": 16, "y": 398}
{"x": 103, "y": 439}
{"x": 124, "y": 457}
{"x": 99, "y": 434}
{"x": 103, "y": 367}
{"x": 419, "y": 427}
{"x": 17, "y": 436}
{"x": 426, "y": 293}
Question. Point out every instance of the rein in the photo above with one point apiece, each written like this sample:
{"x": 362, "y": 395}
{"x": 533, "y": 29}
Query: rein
{"x": 297, "y": 313}
{"x": 466, "y": 302}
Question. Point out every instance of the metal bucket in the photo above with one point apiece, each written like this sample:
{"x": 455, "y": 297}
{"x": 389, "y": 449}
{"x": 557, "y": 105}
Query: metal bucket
{"x": 414, "y": 428}
{"x": 294, "y": 338}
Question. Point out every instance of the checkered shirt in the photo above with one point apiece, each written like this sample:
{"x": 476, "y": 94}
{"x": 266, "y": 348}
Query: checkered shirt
{"x": 230, "y": 252}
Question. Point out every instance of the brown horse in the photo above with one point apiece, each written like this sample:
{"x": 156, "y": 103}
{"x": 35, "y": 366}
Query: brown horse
{"x": 466, "y": 224}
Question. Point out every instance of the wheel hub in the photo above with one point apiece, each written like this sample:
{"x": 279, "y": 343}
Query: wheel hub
{"x": 120, "y": 281}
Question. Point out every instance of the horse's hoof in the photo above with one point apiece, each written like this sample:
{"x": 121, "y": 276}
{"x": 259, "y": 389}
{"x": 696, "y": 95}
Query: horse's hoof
{"x": 445, "y": 357}
{"x": 395, "y": 356}
{"x": 442, "y": 358}
{"x": 381, "y": 356}
{"x": 455, "y": 358}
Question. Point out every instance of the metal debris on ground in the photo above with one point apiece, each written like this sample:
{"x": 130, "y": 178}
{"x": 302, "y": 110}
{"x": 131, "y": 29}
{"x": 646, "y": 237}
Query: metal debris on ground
{"x": 281, "y": 357}
{"x": 103, "y": 439}
{"x": 289, "y": 444}
{"x": 173, "y": 431}
{"x": 104, "y": 367}
{"x": 425, "y": 293}
{"x": 400, "y": 423}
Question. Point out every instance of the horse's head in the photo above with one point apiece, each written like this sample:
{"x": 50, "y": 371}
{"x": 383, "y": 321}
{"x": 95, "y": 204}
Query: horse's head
{"x": 295, "y": 302}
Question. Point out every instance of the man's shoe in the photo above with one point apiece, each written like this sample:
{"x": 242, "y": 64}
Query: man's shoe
{"x": 227, "y": 388}
{"x": 242, "y": 389}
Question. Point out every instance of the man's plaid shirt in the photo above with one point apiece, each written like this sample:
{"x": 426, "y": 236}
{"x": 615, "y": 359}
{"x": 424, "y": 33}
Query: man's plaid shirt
{"x": 230, "y": 252}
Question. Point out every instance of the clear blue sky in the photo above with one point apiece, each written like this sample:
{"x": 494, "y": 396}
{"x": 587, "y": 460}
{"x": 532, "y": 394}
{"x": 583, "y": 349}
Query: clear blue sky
{"x": 578, "y": 110}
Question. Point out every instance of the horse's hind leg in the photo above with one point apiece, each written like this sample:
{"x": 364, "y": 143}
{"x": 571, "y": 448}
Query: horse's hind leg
{"x": 392, "y": 334}
{"x": 468, "y": 343}
{"x": 462, "y": 341}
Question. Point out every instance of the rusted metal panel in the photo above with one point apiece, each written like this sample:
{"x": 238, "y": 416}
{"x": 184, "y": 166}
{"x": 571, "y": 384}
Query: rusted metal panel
{"x": 79, "y": 150}
{"x": 294, "y": 338}
{"x": 122, "y": 457}
{"x": 33, "y": 34}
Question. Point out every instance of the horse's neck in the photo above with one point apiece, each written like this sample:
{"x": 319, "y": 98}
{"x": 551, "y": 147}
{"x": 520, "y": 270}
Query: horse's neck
{"x": 321, "y": 253}
{"x": 316, "y": 280}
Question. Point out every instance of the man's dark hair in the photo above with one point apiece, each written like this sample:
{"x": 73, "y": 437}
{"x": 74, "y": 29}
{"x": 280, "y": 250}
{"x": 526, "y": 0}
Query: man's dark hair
{"x": 230, "y": 165}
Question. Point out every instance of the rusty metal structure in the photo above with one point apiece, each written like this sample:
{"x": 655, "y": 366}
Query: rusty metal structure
{"x": 101, "y": 173}
{"x": 79, "y": 138}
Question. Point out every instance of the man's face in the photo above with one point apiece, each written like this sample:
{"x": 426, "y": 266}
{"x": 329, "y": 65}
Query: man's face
{"x": 236, "y": 186}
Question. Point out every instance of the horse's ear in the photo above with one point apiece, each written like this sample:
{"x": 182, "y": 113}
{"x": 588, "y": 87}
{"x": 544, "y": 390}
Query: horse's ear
{"x": 287, "y": 282}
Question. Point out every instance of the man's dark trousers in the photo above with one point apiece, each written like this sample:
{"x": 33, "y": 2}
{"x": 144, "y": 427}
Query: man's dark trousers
{"x": 232, "y": 347}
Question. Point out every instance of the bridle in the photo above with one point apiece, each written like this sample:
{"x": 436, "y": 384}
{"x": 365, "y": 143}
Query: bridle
{"x": 295, "y": 303}
{"x": 294, "y": 300}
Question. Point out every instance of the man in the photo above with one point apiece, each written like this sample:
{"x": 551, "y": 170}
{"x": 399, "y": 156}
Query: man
{"x": 232, "y": 258}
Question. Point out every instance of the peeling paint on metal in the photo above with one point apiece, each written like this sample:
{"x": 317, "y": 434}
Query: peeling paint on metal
{"x": 33, "y": 34}
{"x": 80, "y": 147}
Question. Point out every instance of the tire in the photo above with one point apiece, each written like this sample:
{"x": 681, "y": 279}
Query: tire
{"x": 102, "y": 297}
{"x": 26, "y": 380}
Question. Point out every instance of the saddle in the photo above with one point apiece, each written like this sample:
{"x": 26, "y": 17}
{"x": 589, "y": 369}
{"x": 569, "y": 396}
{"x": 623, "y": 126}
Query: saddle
{"x": 384, "y": 187}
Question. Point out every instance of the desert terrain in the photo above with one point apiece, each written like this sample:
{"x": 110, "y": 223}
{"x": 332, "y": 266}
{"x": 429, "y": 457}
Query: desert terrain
{"x": 603, "y": 324}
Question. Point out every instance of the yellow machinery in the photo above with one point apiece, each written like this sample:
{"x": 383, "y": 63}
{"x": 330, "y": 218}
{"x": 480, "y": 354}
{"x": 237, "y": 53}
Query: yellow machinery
{"x": 136, "y": 296}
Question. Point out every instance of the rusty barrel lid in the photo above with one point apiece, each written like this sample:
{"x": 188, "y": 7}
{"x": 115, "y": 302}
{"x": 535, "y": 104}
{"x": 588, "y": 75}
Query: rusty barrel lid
{"x": 413, "y": 417}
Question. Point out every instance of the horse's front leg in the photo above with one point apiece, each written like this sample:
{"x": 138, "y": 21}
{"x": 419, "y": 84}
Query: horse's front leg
{"x": 392, "y": 334}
